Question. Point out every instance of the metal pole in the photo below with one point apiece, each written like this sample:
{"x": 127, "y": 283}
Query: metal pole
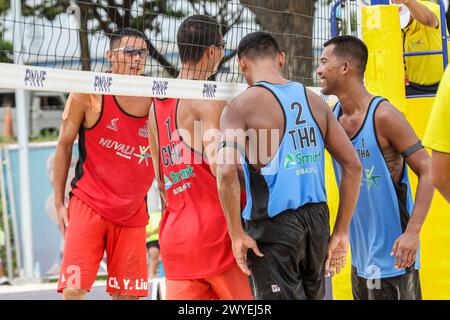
{"x": 334, "y": 8}
{"x": 5, "y": 218}
{"x": 22, "y": 137}
{"x": 375, "y": 2}
{"x": 12, "y": 205}
{"x": 443, "y": 34}
{"x": 349, "y": 17}
{"x": 422, "y": 53}
{"x": 359, "y": 6}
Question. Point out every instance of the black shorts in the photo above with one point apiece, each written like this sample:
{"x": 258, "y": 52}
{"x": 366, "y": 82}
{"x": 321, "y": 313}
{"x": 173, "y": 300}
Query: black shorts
{"x": 404, "y": 287}
{"x": 152, "y": 244}
{"x": 294, "y": 244}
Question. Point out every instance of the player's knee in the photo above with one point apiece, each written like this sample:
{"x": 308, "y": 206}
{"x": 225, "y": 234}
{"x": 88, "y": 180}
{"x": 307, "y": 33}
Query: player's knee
{"x": 118, "y": 296}
{"x": 74, "y": 294}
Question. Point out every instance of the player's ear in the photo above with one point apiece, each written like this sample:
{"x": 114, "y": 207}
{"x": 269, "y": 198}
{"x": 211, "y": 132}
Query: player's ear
{"x": 242, "y": 64}
{"x": 281, "y": 59}
{"x": 211, "y": 52}
{"x": 345, "y": 68}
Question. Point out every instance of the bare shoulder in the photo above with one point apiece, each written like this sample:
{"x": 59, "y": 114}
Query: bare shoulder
{"x": 77, "y": 105}
{"x": 246, "y": 100}
{"x": 208, "y": 109}
{"x": 83, "y": 99}
{"x": 320, "y": 110}
{"x": 317, "y": 104}
{"x": 392, "y": 125}
{"x": 86, "y": 102}
{"x": 237, "y": 111}
{"x": 386, "y": 115}
{"x": 205, "y": 106}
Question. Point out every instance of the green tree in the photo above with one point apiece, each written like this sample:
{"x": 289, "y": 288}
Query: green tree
{"x": 292, "y": 23}
{"x": 6, "y": 47}
{"x": 107, "y": 16}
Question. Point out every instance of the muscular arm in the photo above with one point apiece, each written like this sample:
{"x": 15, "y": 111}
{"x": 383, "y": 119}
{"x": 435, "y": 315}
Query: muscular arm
{"x": 440, "y": 173}
{"x": 75, "y": 109}
{"x": 227, "y": 168}
{"x": 421, "y": 13}
{"x": 233, "y": 126}
{"x": 154, "y": 150}
{"x": 392, "y": 126}
{"x": 341, "y": 149}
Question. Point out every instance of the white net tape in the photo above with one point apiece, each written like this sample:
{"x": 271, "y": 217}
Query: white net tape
{"x": 15, "y": 76}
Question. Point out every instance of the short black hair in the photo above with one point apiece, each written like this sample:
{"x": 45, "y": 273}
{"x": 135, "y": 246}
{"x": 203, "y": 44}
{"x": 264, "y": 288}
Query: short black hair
{"x": 350, "y": 47}
{"x": 126, "y": 32}
{"x": 195, "y": 34}
{"x": 258, "y": 44}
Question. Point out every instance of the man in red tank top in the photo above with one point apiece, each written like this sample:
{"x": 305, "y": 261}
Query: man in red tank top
{"x": 194, "y": 241}
{"x": 107, "y": 208}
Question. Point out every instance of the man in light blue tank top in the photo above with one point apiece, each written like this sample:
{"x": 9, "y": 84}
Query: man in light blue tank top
{"x": 385, "y": 228}
{"x": 278, "y": 130}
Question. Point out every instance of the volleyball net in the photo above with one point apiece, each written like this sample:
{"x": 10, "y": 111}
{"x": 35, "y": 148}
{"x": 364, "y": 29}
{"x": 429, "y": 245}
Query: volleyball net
{"x": 61, "y": 45}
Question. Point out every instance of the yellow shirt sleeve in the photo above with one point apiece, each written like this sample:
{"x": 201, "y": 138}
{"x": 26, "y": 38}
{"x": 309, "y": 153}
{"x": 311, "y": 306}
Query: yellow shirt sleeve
{"x": 434, "y": 7}
{"x": 437, "y": 135}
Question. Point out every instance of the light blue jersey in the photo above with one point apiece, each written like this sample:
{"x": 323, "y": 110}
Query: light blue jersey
{"x": 295, "y": 176}
{"x": 384, "y": 207}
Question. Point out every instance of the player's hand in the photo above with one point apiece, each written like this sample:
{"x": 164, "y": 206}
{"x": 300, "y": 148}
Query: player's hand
{"x": 405, "y": 250}
{"x": 336, "y": 254}
{"x": 240, "y": 246}
{"x": 63, "y": 219}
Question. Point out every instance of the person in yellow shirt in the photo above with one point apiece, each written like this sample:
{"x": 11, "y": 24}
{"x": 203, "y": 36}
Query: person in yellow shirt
{"x": 437, "y": 137}
{"x": 152, "y": 242}
{"x": 421, "y": 31}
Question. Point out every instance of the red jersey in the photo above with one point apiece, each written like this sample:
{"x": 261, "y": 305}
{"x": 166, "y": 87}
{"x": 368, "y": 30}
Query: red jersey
{"x": 114, "y": 170}
{"x": 193, "y": 234}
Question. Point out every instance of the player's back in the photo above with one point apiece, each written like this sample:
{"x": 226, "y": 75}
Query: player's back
{"x": 193, "y": 227}
{"x": 293, "y": 175}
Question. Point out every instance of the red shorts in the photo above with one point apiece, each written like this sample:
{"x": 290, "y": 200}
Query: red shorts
{"x": 87, "y": 237}
{"x": 229, "y": 285}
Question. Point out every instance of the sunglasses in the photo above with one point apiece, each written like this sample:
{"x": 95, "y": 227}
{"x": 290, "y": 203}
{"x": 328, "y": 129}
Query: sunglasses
{"x": 130, "y": 51}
